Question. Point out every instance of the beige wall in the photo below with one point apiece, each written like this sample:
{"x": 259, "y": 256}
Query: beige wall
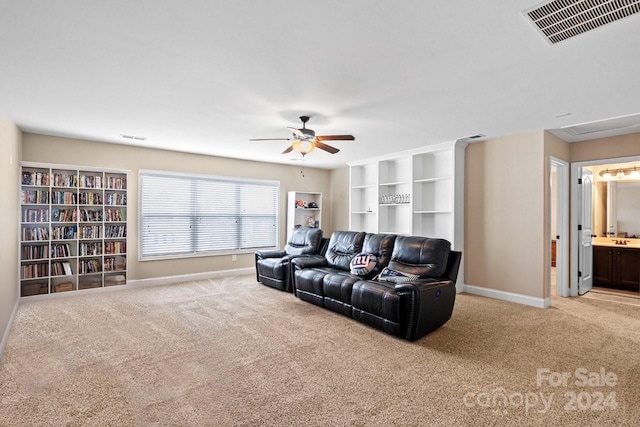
{"x": 505, "y": 214}
{"x": 49, "y": 149}
{"x": 10, "y": 143}
{"x": 340, "y": 198}
{"x": 606, "y": 148}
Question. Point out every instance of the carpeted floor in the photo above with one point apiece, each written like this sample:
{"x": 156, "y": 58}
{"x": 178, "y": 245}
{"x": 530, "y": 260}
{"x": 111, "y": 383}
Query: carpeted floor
{"x": 232, "y": 352}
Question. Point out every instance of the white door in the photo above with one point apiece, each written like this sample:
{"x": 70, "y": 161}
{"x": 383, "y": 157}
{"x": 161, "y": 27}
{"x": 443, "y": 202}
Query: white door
{"x": 585, "y": 222}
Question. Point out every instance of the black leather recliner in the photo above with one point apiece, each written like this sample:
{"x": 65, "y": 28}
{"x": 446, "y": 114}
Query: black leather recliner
{"x": 415, "y": 308}
{"x": 342, "y": 247}
{"x": 273, "y": 267}
{"x": 409, "y": 310}
{"x": 337, "y": 286}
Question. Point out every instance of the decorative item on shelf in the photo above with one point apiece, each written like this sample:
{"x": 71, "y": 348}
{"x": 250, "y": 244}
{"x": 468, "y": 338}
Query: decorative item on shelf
{"x": 395, "y": 199}
{"x": 311, "y": 221}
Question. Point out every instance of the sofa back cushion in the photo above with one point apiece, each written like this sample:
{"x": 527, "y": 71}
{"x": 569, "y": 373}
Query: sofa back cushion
{"x": 423, "y": 256}
{"x": 343, "y": 246}
{"x": 304, "y": 241}
{"x": 380, "y": 245}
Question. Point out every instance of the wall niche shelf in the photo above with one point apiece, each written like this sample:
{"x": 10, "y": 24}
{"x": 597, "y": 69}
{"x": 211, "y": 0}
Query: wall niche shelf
{"x": 73, "y": 228}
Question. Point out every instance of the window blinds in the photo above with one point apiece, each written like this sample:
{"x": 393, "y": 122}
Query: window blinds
{"x": 186, "y": 215}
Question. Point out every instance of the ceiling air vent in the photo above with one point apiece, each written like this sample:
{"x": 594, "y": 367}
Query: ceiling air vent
{"x": 618, "y": 125}
{"x": 136, "y": 138}
{"x": 562, "y": 19}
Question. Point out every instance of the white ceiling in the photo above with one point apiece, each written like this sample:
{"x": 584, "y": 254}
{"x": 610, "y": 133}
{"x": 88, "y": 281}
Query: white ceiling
{"x": 206, "y": 76}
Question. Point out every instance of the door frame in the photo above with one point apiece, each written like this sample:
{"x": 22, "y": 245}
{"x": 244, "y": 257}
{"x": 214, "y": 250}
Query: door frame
{"x": 562, "y": 226}
{"x": 575, "y": 236}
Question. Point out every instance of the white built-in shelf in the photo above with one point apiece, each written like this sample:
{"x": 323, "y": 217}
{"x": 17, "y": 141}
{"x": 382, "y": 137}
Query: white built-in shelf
{"x": 429, "y": 180}
{"x": 388, "y": 184}
{"x": 432, "y": 177}
{"x": 303, "y": 216}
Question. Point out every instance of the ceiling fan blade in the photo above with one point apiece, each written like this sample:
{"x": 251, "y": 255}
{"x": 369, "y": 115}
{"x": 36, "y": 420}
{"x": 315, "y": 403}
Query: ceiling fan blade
{"x": 296, "y": 132}
{"x": 326, "y": 147}
{"x": 270, "y": 139}
{"x": 335, "y": 138}
{"x": 288, "y": 150}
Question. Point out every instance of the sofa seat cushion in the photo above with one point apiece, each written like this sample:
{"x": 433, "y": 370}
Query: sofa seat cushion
{"x": 308, "y": 283}
{"x": 272, "y": 267}
{"x": 377, "y": 304}
{"x": 337, "y": 289}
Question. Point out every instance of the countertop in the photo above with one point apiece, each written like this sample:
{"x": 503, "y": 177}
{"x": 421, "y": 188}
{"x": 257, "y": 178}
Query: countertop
{"x": 611, "y": 242}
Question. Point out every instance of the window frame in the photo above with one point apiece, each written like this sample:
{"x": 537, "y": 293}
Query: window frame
{"x": 195, "y": 217}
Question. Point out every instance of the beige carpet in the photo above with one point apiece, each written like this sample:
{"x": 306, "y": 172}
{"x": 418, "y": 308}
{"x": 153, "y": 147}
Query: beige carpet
{"x": 231, "y": 352}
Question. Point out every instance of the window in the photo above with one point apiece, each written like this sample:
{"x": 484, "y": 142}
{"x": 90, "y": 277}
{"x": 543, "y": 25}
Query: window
{"x": 192, "y": 215}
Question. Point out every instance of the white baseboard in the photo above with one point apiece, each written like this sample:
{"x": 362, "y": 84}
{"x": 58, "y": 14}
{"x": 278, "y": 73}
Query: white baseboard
{"x": 5, "y": 335}
{"x": 508, "y": 296}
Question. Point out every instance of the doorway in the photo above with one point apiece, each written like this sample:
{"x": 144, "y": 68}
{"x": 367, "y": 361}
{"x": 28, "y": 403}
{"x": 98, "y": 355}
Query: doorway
{"x": 587, "y": 209}
{"x": 559, "y": 228}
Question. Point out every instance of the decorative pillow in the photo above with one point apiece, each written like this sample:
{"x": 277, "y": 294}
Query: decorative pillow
{"x": 363, "y": 264}
{"x": 395, "y": 276}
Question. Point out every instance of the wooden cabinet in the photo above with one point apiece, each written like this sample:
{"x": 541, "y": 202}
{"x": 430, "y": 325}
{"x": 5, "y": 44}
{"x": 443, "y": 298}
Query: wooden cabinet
{"x": 603, "y": 266}
{"x": 304, "y": 209}
{"x": 616, "y": 267}
{"x": 626, "y": 271}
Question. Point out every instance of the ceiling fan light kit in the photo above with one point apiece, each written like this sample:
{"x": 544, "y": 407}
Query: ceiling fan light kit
{"x": 305, "y": 140}
{"x": 303, "y": 147}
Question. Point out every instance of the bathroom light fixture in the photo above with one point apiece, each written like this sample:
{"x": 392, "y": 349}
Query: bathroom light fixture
{"x": 620, "y": 173}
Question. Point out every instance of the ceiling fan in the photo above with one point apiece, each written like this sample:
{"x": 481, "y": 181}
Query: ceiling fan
{"x": 305, "y": 140}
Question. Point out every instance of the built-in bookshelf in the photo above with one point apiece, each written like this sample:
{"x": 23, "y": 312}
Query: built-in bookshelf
{"x": 418, "y": 192}
{"x": 73, "y": 228}
{"x": 304, "y": 209}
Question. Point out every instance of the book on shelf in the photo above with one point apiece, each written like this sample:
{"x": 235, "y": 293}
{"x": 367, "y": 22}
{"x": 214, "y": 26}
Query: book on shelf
{"x": 35, "y": 215}
{"x": 35, "y": 178}
{"x": 34, "y": 197}
{"x": 64, "y": 198}
{"x": 67, "y": 268}
{"x": 65, "y": 179}
{"x": 34, "y": 233}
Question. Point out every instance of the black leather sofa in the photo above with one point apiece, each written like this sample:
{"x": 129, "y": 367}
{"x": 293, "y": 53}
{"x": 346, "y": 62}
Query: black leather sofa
{"x": 273, "y": 266}
{"x": 409, "y": 310}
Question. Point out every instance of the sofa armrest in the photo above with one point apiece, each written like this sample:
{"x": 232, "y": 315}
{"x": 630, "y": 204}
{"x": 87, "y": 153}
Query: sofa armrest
{"x": 427, "y": 304}
{"x": 309, "y": 261}
{"x": 270, "y": 254}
